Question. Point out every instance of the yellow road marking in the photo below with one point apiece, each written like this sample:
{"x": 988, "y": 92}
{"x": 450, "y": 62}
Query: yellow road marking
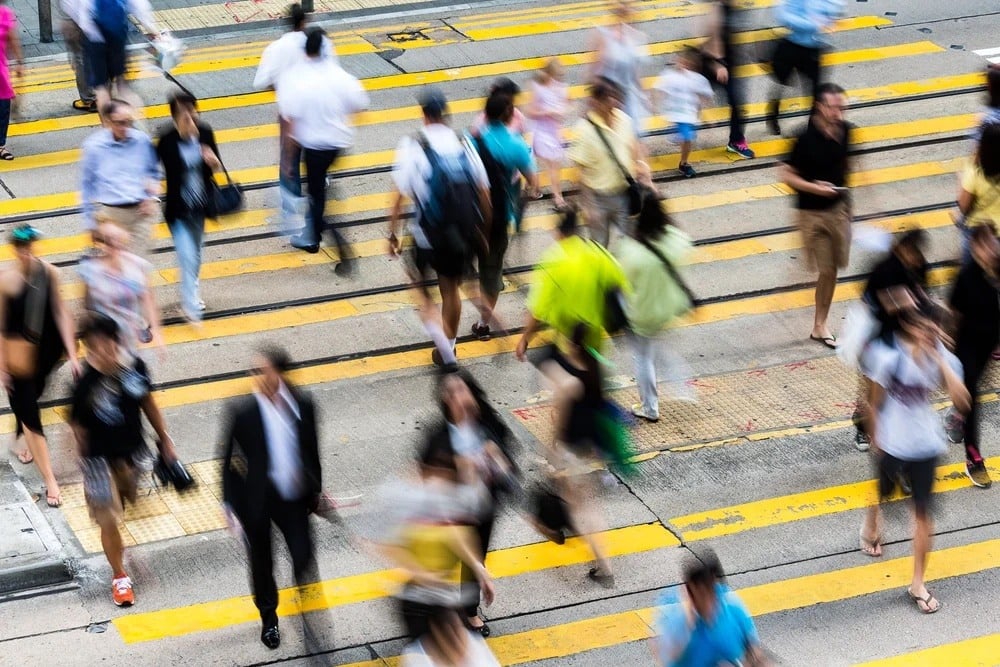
{"x": 978, "y": 652}
{"x": 369, "y": 586}
{"x": 560, "y": 641}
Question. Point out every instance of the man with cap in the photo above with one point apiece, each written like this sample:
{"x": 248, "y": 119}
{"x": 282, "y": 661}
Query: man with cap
{"x": 413, "y": 177}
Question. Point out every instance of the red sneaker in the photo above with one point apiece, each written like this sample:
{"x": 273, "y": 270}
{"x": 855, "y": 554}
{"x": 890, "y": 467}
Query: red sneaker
{"x": 121, "y": 591}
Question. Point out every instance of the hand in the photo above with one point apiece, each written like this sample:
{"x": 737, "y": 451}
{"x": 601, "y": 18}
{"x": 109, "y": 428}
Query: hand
{"x": 210, "y": 158}
{"x": 521, "y": 351}
{"x": 722, "y": 75}
{"x": 158, "y": 343}
{"x": 487, "y": 588}
{"x": 75, "y": 368}
{"x": 233, "y": 524}
{"x": 824, "y": 189}
{"x": 19, "y": 71}
{"x": 148, "y": 206}
{"x": 395, "y": 247}
{"x": 167, "y": 449}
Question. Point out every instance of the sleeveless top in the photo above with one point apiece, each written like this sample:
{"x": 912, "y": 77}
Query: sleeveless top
{"x": 50, "y": 347}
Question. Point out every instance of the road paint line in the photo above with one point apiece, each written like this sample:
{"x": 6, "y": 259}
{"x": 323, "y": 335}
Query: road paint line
{"x": 575, "y": 638}
{"x": 332, "y": 593}
{"x": 988, "y": 52}
{"x": 977, "y": 652}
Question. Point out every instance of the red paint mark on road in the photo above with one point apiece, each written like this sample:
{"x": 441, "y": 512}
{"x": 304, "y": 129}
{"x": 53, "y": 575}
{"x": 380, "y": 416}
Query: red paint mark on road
{"x": 698, "y": 382}
{"x": 758, "y": 372}
{"x": 812, "y": 415}
{"x": 853, "y": 405}
{"x": 749, "y": 426}
{"x": 796, "y": 365}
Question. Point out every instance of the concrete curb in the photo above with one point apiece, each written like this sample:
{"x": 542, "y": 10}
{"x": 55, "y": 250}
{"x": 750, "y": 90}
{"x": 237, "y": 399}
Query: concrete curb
{"x": 36, "y": 575}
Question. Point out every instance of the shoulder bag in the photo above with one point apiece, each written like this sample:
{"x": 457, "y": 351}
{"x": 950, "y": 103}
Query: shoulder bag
{"x": 634, "y": 191}
{"x": 227, "y": 198}
{"x": 692, "y": 300}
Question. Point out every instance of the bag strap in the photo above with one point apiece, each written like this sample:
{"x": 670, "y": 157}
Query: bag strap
{"x": 36, "y": 301}
{"x": 670, "y": 269}
{"x": 611, "y": 152}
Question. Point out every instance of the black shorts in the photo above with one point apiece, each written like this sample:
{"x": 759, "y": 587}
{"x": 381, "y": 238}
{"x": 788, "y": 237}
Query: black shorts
{"x": 790, "y": 57}
{"x": 104, "y": 60}
{"x": 445, "y": 265}
{"x": 920, "y": 474}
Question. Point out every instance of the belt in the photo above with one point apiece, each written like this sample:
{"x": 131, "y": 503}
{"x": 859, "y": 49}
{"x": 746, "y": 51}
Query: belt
{"x": 128, "y": 205}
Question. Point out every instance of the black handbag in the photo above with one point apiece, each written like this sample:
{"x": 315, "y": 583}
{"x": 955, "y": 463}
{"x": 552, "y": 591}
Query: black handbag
{"x": 549, "y": 513}
{"x": 634, "y": 192}
{"x": 615, "y": 318}
{"x": 227, "y": 198}
{"x": 172, "y": 473}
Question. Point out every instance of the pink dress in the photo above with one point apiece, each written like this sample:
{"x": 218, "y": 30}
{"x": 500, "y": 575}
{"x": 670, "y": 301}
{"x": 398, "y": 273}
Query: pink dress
{"x": 546, "y": 140}
{"x": 7, "y": 23}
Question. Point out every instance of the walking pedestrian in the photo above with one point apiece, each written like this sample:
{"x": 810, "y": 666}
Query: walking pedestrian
{"x": 907, "y": 434}
{"x": 38, "y": 330}
{"x": 718, "y": 62}
{"x": 190, "y": 157}
{"x": 801, "y": 49}
{"x": 975, "y": 304}
{"x": 991, "y": 112}
{"x": 979, "y": 194}
{"x": 704, "y": 622}
{"x": 279, "y": 57}
{"x": 817, "y": 169}
{"x": 506, "y": 159}
{"x": 649, "y": 258}
{"x": 448, "y": 644}
{"x": 108, "y": 403}
{"x": 10, "y": 45}
{"x": 686, "y": 92}
{"x": 271, "y": 473}
{"x": 105, "y": 26}
{"x": 73, "y": 38}
{"x": 547, "y": 112}
{"x": 120, "y": 176}
{"x": 620, "y": 52}
{"x": 441, "y": 173}
{"x": 317, "y": 99}
{"x": 518, "y": 122}
{"x": 604, "y": 149}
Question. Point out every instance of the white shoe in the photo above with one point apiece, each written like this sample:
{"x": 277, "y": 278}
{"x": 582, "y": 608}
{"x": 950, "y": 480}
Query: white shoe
{"x": 640, "y": 413}
{"x": 201, "y": 305}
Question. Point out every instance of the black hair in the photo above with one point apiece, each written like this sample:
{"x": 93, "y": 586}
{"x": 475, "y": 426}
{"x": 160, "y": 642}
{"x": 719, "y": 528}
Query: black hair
{"x": 828, "y": 89}
{"x": 314, "y": 41}
{"x": 506, "y": 86}
{"x": 499, "y": 106}
{"x": 653, "y": 220}
{"x": 277, "y": 357}
{"x": 438, "y": 453}
{"x": 100, "y": 325}
{"x": 112, "y": 106}
{"x": 568, "y": 221}
{"x": 489, "y": 418}
{"x": 993, "y": 86}
{"x": 989, "y": 151}
{"x": 181, "y": 99}
{"x": 296, "y": 16}
{"x": 914, "y": 239}
{"x": 603, "y": 88}
{"x": 704, "y": 570}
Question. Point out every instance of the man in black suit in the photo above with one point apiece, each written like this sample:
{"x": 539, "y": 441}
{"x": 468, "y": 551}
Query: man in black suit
{"x": 271, "y": 473}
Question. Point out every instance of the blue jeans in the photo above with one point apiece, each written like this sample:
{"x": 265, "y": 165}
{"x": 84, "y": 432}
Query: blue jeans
{"x": 4, "y": 120}
{"x": 189, "y": 233}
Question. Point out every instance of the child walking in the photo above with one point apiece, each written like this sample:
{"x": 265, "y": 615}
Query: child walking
{"x": 549, "y": 104}
{"x": 686, "y": 92}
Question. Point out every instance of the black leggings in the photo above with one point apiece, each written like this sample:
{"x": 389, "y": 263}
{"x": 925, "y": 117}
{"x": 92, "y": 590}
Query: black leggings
{"x": 470, "y": 585}
{"x": 735, "y": 98}
{"x": 974, "y": 353}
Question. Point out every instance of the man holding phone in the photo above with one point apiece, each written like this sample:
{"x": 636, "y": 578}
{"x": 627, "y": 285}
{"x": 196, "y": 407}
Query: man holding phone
{"x": 817, "y": 170}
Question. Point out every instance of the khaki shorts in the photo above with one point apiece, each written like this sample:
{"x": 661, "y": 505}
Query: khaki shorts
{"x": 132, "y": 220}
{"x": 108, "y": 507}
{"x": 826, "y": 236}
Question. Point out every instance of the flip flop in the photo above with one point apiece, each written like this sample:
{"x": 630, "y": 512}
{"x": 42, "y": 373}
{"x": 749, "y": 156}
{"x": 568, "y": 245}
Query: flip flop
{"x": 869, "y": 546}
{"x": 25, "y": 457}
{"x": 828, "y": 341}
{"x": 53, "y": 501}
{"x": 927, "y": 608}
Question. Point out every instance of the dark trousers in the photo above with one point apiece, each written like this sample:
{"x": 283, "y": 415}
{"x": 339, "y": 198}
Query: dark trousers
{"x": 470, "y": 585}
{"x": 4, "y": 120}
{"x": 318, "y": 162}
{"x": 974, "y": 353}
{"x": 734, "y": 95}
{"x": 292, "y": 519}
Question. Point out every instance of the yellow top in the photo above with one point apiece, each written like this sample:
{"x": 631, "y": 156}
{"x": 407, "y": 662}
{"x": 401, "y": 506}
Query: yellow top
{"x": 430, "y": 545}
{"x": 985, "y": 197}
{"x": 597, "y": 170}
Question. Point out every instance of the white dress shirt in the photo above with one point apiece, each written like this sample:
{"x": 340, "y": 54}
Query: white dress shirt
{"x": 281, "y": 433}
{"x": 283, "y": 54}
{"x": 318, "y": 97}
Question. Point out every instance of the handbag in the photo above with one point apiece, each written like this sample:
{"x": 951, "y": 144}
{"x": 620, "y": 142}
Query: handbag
{"x": 172, "y": 473}
{"x": 550, "y": 514}
{"x": 674, "y": 275}
{"x": 634, "y": 190}
{"x": 228, "y": 198}
{"x": 615, "y": 318}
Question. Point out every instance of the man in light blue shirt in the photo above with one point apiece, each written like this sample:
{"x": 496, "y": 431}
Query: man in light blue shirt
{"x": 120, "y": 176}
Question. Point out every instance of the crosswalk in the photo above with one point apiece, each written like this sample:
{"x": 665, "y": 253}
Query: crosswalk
{"x": 747, "y": 271}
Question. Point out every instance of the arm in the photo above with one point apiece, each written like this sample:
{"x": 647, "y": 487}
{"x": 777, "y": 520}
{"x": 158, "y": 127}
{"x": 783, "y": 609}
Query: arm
{"x": 4, "y": 376}
{"x": 152, "y": 315}
{"x": 151, "y": 168}
{"x": 463, "y": 548}
{"x": 876, "y": 397}
{"x": 88, "y": 185}
{"x": 955, "y": 386}
{"x": 790, "y": 177}
{"x": 14, "y": 48}
{"x": 64, "y": 321}
{"x": 395, "y": 217}
{"x": 965, "y": 201}
{"x": 530, "y": 329}
{"x": 159, "y": 424}
{"x": 143, "y": 12}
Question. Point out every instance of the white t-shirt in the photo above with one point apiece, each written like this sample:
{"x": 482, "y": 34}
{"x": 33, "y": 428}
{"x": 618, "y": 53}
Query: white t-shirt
{"x": 908, "y": 426}
{"x": 284, "y": 53}
{"x": 684, "y": 91}
{"x": 412, "y": 169}
{"x": 318, "y": 97}
{"x": 477, "y": 655}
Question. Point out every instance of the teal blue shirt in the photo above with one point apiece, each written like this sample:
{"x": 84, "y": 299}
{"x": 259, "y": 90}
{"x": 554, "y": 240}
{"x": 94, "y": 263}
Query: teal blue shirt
{"x": 513, "y": 155}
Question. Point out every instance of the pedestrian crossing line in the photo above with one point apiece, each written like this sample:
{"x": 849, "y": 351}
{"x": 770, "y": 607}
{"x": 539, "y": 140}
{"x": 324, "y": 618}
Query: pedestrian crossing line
{"x": 505, "y": 68}
{"x": 575, "y": 638}
{"x": 717, "y": 155}
{"x": 977, "y": 652}
{"x": 802, "y": 506}
{"x": 991, "y": 55}
{"x": 342, "y": 591}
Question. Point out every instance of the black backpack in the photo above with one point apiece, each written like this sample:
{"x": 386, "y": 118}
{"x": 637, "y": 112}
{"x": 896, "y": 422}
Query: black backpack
{"x": 452, "y": 217}
{"x": 499, "y": 183}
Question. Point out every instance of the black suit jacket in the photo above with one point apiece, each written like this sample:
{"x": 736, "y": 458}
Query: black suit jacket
{"x": 168, "y": 150}
{"x": 246, "y": 458}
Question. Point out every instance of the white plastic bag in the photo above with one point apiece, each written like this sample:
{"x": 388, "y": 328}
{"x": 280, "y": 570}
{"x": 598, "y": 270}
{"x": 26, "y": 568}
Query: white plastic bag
{"x": 859, "y": 328}
{"x": 292, "y": 212}
{"x": 167, "y": 51}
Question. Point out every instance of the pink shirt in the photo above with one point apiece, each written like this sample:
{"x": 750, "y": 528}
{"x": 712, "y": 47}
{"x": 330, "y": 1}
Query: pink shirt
{"x": 8, "y": 22}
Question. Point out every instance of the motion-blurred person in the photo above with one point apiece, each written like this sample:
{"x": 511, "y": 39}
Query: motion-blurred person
{"x": 991, "y": 112}
{"x": 506, "y": 159}
{"x": 718, "y": 63}
{"x": 548, "y": 110}
{"x": 120, "y": 176}
{"x": 979, "y": 194}
{"x": 105, "y": 26}
{"x": 703, "y": 623}
{"x": 448, "y": 644}
{"x": 518, "y": 122}
{"x": 108, "y": 403}
{"x": 317, "y": 99}
{"x": 190, "y": 158}
{"x": 686, "y": 92}
{"x": 73, "y": 38}
{"x": 10, "y": 43}
{"x": 620, "y": 51}
{"x": 800, "y": 51}
{"x": 649, "y": 258}
{"x": 38, "y": 330}
{"x": 441, "y": 173}
{"x": 604, "y": 149}
{"x": 278, "y": 58}
{"x": 907, "y": 433}
{"x": 817, "y": 169}
{"x": 574, "y": 277}
{"x": 271, "y": 473}
{"x": 116, "y": 284}
{"x": 975, "y": 304}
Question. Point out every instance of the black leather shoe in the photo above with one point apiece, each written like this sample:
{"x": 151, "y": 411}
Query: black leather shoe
{"x": 270, "y": 637}
{"x": 300, "y": 243}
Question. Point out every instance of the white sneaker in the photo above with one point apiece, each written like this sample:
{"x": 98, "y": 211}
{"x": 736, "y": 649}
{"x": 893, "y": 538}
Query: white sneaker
{"x": 640, "y": 413}
{"x": 201, "y": 305}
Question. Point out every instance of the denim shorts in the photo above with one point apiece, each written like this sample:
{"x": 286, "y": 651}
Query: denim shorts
{"x": 104, "y": 61}
{"x": 685, "y": 131}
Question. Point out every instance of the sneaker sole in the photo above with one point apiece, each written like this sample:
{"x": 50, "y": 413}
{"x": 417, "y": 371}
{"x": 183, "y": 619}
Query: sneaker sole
{"x": 976, "y": 484}
{"x": 123, "y": 604}
{"x": 733, "y": 151}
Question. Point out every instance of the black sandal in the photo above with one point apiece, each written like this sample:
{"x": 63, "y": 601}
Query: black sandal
{"x": 606, "y": 579}
{"x": 6, "y": 154}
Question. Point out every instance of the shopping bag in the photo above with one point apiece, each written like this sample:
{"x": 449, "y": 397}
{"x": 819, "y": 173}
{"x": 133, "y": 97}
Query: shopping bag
{"x": 292, "y": 212}
{"x": 860, "y": 326}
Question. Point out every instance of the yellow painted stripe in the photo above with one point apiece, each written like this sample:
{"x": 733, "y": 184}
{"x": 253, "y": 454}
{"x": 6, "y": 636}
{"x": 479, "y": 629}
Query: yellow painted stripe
{"x": 977, "y": 652}
{"x": 568, "y": 639}
{"x": 342, "y": 591}
{"x": 801, "y": 506}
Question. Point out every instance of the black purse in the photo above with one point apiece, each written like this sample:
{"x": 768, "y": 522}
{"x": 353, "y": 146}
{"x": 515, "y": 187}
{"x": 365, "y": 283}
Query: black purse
{"x": 227, "y": 198}
{"x": 634, "y": 192}
{"x": 172, "y": 473}
{"x": 615, "y": 319}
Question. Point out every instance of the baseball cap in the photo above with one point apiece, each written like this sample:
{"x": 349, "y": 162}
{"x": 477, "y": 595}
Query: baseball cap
{"x": 25, "y": 234}
{"x": 432, "y": 101}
